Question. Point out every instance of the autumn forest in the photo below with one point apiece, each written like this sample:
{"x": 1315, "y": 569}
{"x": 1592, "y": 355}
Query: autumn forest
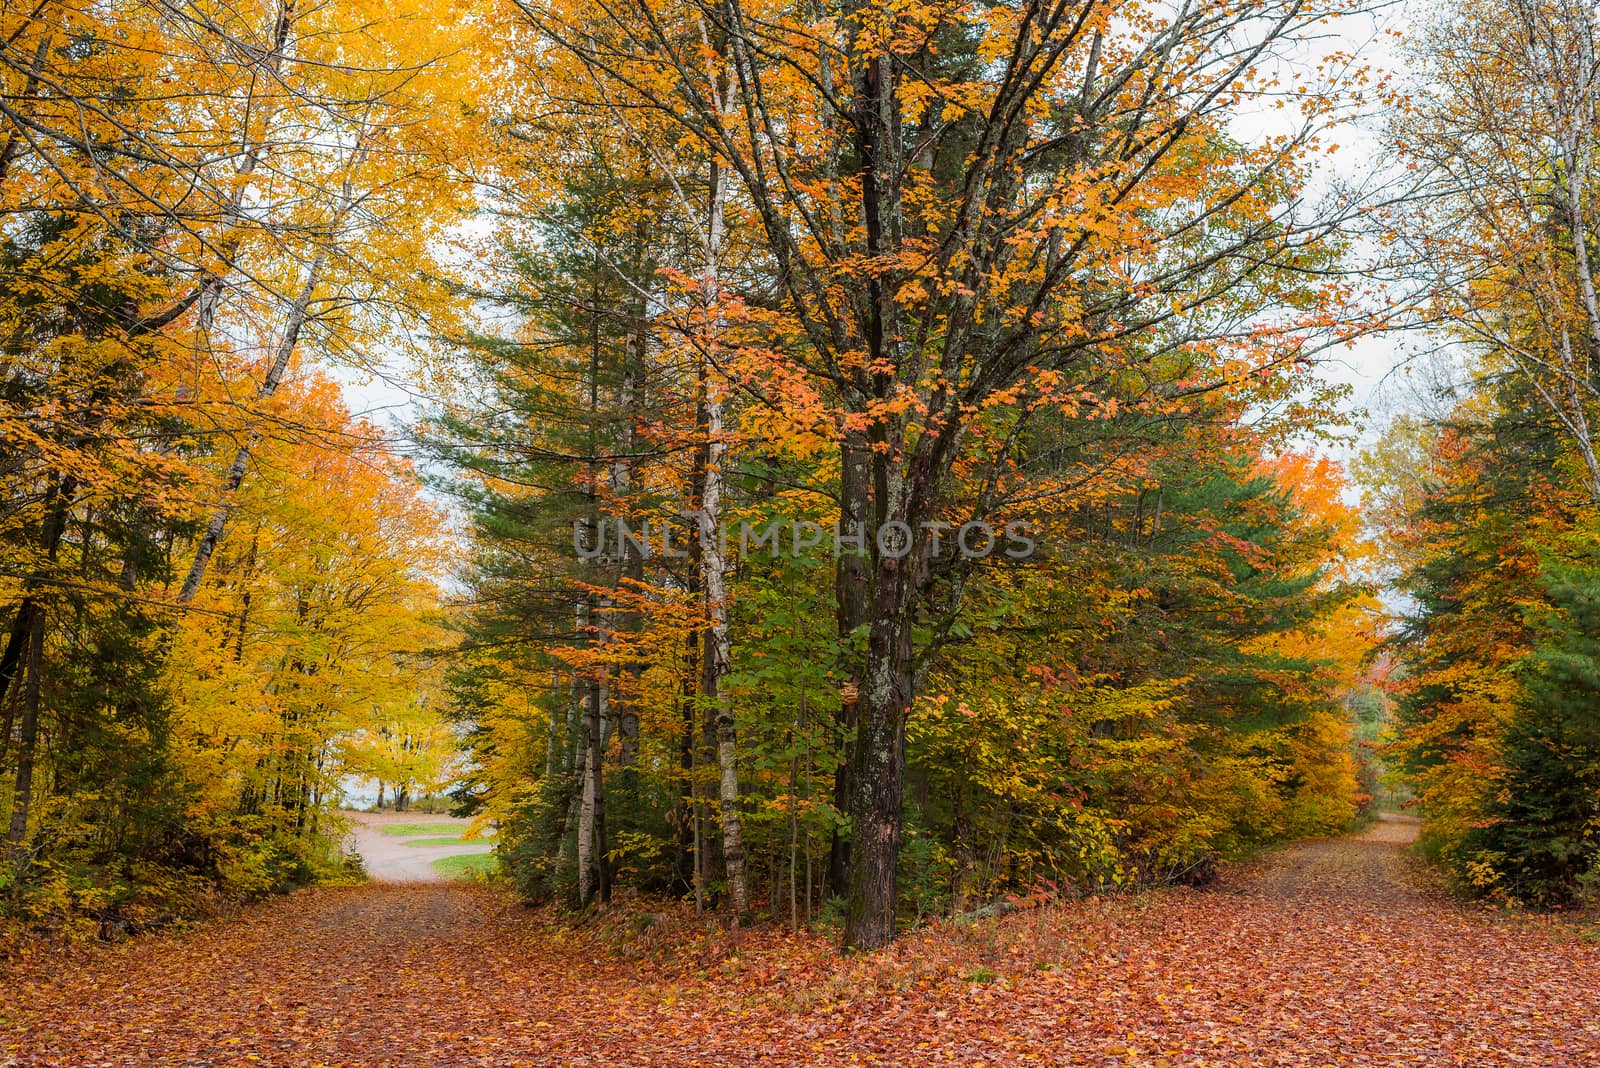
{"x": 696, "y": 532}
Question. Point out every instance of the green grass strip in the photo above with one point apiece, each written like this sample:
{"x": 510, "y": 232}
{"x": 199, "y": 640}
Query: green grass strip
{"x": 465, "y": 866}
{"x": 411, "y": 830}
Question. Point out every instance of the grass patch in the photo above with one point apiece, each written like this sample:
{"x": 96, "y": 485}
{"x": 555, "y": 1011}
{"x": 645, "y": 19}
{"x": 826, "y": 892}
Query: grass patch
{"x": 465, "y": 866}
{"x": 411, "y": 830}
{"x": 442, "y": 842}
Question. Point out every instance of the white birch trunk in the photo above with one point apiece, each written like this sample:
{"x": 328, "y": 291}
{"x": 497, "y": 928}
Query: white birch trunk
{"x": 713, "y": 560}
{"x": 294, "y": 323}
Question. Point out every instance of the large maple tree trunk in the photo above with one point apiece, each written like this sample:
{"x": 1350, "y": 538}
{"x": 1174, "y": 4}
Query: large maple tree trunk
{"x": 878, "y": 775}
{"x": 851, "y": 586}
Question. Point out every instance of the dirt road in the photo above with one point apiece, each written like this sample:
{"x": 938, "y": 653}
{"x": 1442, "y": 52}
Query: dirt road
{"x": 1370, "y": 870}
{"x": 1325, "y": 955}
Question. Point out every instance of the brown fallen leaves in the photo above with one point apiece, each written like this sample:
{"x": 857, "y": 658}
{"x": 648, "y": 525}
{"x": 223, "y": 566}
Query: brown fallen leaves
{"x": 1321, "y": 957}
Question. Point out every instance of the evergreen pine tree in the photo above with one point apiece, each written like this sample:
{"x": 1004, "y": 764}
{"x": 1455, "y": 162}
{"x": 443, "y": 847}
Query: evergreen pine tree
{"x": 1542, "y": 830}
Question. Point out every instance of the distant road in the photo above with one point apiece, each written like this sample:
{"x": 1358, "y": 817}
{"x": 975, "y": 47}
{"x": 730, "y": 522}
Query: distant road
{"x": 388, "y": 857}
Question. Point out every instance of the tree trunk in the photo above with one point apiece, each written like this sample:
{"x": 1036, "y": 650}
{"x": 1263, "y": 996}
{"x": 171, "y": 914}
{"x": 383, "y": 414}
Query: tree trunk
{"x": 553, "y": 746}
{"x": 578, "y": 774}
{"x": 299, "y": 313}
{"x": 55, "y": 527}
{"x": 851, "y": 586}
{"x": 884, "y": 691}
{"x": 795, "y": 738}
{"x": 28, "y": 739}
{"x": 717, "y": 656}
{"x": 713, "y": 560}
{"x": 689, "y": 810}
{"x": 594, "y": 702}
{"x": 631, "y": 571}
{"x": 218, "y": 523}
{"x": 16, "y": 642}
{"x": 59, "y": 506}
{"x": 879, "y": 768}
{"x": 592, "y": 882}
